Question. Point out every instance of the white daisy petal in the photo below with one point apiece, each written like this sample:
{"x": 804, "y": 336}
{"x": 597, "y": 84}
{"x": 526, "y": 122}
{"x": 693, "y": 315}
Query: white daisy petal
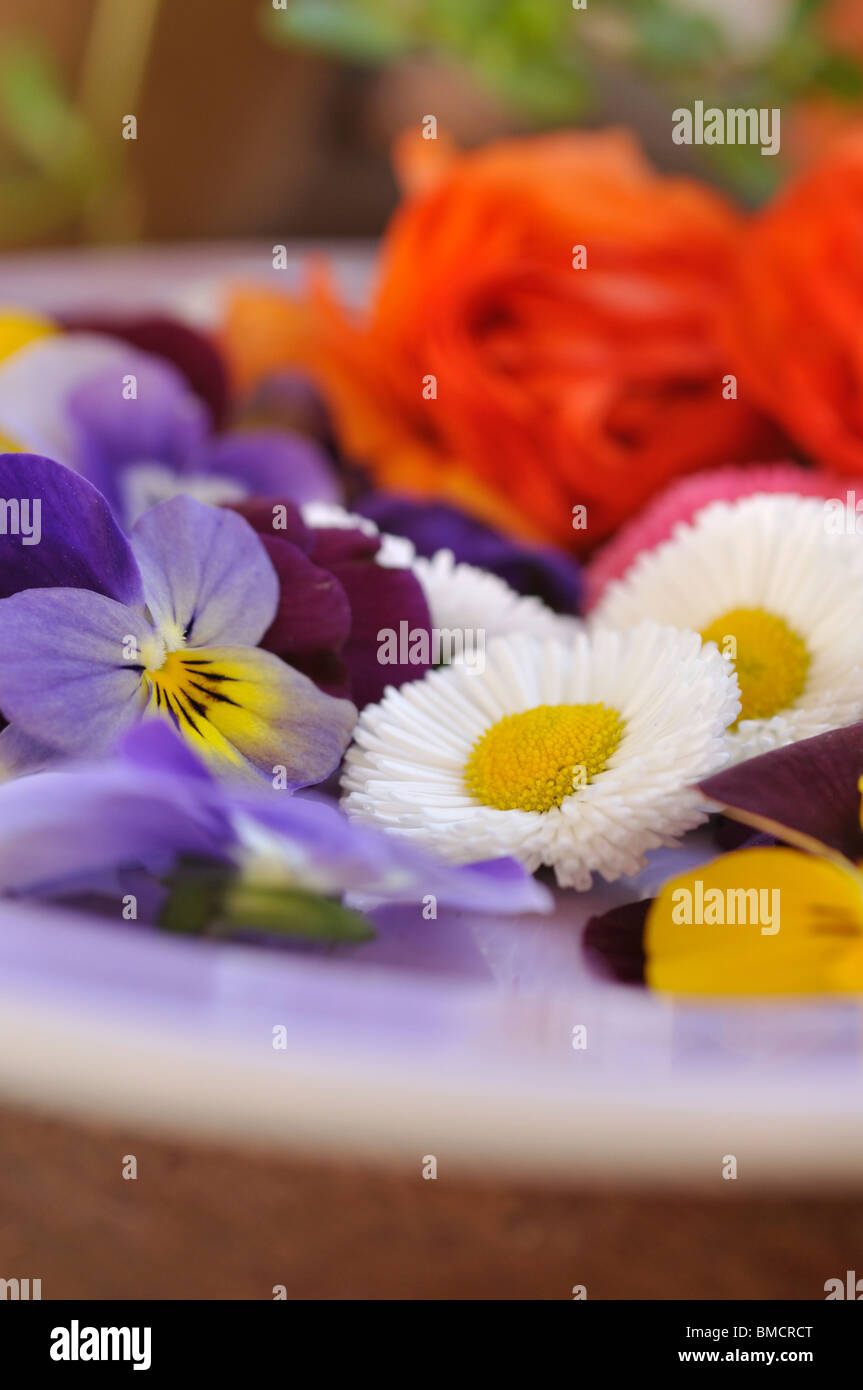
{"x": 461, "y": 596}
{"x": 775, "y": 554}
{"x": 675, "y": 697}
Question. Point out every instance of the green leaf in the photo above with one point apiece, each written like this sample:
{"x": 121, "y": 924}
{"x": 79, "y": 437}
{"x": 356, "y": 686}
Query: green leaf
{"x": 209, "y": 899}
{"x": 754, "y": 177}
{"x": 293, "y": 913}
{"x": 43, "y": 125}
{"x": 546, "y": 93}
{"x": 357, "y": 32}
{"x": 195, "y": 898}
{"x": 840, "y": 75}
{"x": 668, "y": 39}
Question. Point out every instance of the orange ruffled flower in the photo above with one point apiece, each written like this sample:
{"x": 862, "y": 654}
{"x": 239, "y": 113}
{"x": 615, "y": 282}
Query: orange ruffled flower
{"x": 797, "y": 312}
{"x": 551, "y": 386}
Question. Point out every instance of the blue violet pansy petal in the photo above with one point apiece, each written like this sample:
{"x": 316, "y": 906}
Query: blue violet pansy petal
{"x": 71, "y": 667}
{"x": 73, "y": 541}
{"x": 207, "y": 577}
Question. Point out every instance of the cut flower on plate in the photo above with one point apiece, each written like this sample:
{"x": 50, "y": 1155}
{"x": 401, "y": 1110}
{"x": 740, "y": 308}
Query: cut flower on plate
{"x": 784, "y": 920}
{"x": 577, "y": 754}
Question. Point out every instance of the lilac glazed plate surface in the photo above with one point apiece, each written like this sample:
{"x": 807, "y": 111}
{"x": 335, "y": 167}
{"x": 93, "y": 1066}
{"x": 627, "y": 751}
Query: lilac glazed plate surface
{"x": 452, "y": 1037}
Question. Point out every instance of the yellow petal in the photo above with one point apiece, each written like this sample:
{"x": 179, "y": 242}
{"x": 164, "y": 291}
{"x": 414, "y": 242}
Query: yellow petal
{"x": 761, "y": 921}
{"x": 19, "y": 329}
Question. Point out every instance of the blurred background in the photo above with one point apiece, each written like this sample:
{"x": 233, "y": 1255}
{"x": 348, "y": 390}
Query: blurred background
{"x": 276, "y": 116}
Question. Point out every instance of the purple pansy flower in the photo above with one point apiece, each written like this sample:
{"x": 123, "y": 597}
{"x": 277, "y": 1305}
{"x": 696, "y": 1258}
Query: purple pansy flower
{"x": 37, "y": 381}
{"x": 191, "y": 351}
{"x": 131, "y": 423}
{"x": 153, "y": 805}
{"x": 143, "y": 450}
{"x": 97, "y": 631}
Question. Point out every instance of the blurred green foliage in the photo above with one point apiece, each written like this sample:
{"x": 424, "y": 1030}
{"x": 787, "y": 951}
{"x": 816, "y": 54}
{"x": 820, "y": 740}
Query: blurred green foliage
{"x": 542, "y": 56}
{"x": 64, "y": 170}
{"x": 53, "y": 164}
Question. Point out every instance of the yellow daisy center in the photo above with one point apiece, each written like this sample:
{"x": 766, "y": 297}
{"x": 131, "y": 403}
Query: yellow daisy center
{"x": 532, "y": 761}
{"x": 771, "y": 659}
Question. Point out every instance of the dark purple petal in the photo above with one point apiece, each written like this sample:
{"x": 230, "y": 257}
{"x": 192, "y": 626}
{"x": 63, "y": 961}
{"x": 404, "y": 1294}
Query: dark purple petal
{"x": 267, "y": 463}
{"x": 733, "y": 834}
{"x": 164, "y": 424}
{"x": 614, "y": 942}
{"x": 313, "y": 619}
{"x": 810, "y": 788}
{"x": 313, "y": 614}
{"x": 80, "y": 547}
{"x": 290, "y": 401}
{"x": 191, "y": 352}
{"x": 540, "y": 570}
{"x": 381, "y": 598}
{"x": 333, "y": 545}
{"x": 276, "y": 516}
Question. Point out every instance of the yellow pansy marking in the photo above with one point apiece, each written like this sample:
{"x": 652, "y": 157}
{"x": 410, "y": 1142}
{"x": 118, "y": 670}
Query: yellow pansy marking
{"x": 771, "y": 659}
{"x": 533, "y": 760}
{"x": 17, "y": 330}
{"x": 191, "y": 690}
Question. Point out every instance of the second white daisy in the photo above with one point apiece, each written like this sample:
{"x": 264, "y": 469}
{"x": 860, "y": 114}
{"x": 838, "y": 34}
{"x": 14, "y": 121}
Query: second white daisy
{"x": 580, "y": 754}
{"x": 782, "y": 599}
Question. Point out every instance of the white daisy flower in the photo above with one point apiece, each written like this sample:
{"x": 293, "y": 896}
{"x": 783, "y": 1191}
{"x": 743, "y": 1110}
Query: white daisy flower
{"x": 580, "y": 754}
{"x": 460, "y": 597}
{"x": 780, "y": 596}
{"x": 463, "y": 596}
